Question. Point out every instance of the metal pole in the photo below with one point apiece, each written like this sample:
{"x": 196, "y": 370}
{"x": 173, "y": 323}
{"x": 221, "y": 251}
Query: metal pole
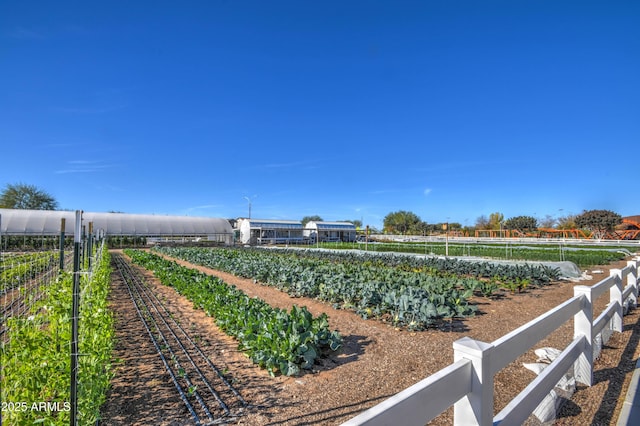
{"x": 446, "y": 236}
{"x": 366, "y": 239}
{"x": 249, "y": 201}
{"x": 90, "y": 243}
{"x": 83, "y": 245}
{"x": 77, "y": 236}
{"x": 62, "y": 227}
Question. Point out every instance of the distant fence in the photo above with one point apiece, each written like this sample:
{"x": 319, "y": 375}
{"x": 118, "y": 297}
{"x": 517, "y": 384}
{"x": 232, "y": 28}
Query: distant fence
{"x": 467, "y": 384}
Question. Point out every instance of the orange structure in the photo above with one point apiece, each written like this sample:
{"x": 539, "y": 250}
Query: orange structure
{"x": 629, "y": 230}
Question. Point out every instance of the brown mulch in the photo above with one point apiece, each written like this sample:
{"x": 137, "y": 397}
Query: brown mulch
{"x": 376, "y": 361}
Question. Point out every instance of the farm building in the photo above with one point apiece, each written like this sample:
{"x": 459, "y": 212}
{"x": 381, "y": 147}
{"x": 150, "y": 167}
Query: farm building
{"x": 48, "y": 222}
{"x": 330, "y": 231}
{"x": 270, "y": 231}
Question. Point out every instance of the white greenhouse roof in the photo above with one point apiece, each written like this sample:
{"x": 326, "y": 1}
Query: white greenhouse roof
{"x": 47, "y": 222}
{"x": 275, "y": 224}
{"x": 348, "y": 226}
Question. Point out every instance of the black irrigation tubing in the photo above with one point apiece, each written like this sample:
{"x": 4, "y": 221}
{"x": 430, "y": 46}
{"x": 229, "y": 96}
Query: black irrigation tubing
{"x": 153, "y": 301}
{"x": 155, "y": 343}
{"x": 223, "y": 405}
{"x": 216, "y": 395}
{"x": 149, "y": 303}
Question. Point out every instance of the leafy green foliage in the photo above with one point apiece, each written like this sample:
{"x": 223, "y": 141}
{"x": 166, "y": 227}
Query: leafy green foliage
{"x": 16, "y": 270}
{"x": 598, "y": 221}
{"x": 521, "y": 223}
{"x": 36, "y": 355}
{"x": 275, "y": 339}
{"x": 404, "y": 294}
{"x": 581, "y": 256}
{"x": 23, "y": 196}
{"x": 402, "y": 222}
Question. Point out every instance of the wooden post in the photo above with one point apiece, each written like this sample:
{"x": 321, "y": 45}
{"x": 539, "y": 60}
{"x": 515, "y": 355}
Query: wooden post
{"x": 632, "y": 280}
{"x": 615, "y": 295}
{"x": 477, "y": 407}
{"x": 583, "y": 326}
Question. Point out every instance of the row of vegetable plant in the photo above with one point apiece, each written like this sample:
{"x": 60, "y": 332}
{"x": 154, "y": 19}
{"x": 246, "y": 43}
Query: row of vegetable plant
{"x": 35, "y": 379}
{"x": 580, "y": 255}
{"x": 277, "y": 340}
{"x": 18, "y": 269}
{"x": 406, "y": 298}
{"x": 502, "y": 273}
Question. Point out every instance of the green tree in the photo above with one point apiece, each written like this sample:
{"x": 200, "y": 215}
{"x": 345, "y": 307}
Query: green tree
{"x": 567, "y": 222}
{"x": 521, "y": 223}
{"x": 495, "y": 220}
{"x": 308, "y": 219}
{"x": 23, "y": 196}
{"x": 598, "y": 221}
{"x": 402, "y": 222}
{"x": 455, "y": 226}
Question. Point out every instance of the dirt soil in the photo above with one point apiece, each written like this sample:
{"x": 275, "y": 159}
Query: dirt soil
{"x": 376, "y": 361}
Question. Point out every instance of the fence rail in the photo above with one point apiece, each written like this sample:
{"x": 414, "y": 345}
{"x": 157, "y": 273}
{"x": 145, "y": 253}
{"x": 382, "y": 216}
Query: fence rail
{"x": 467, "y": 384}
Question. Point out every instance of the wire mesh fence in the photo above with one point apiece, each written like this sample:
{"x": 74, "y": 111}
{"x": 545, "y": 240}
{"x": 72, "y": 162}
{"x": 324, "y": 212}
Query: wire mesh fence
{"x": 54, "y": 359}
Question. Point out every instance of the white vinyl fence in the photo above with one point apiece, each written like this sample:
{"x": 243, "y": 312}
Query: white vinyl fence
{"x": 467, "y": 384}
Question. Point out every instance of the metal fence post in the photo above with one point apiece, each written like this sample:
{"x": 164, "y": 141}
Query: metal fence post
{"x": 583, "y": 326}
{"x": 477, "y": 407}
{"x": 62, "y": 227}
{"x": 74, "y": 318}
{"x": 90, "y": 244}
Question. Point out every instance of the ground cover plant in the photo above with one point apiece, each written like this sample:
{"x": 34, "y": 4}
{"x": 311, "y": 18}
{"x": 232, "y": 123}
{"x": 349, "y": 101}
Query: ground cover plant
{"x": 36, "y": 353}
{"x": 277, "y": 340}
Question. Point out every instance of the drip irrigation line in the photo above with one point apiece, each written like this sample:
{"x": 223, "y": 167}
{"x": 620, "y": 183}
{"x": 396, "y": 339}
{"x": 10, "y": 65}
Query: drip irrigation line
{"x": 223, "y": 405}
{"x": 181, "y": 371}
{"x": 149, "y": 301}
{"x": 183, "y": 396}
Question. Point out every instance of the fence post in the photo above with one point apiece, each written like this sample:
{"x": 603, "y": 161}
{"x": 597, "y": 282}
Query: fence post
{"x": 477, "y": 407}
{"x": 90, "y": 244}
{"x": 583, "y": 326}
{"x": 74, "y": 319}
{"x": 632, "y": 280}
{"x": 62, "y": 226}
{"x": 615, "y": 295}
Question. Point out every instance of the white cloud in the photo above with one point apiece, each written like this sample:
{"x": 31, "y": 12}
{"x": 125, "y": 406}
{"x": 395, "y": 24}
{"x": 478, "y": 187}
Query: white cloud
{"x": 84, "y": 166}
{"x": 427, "y": 191}
{"x": 89, "y": 110}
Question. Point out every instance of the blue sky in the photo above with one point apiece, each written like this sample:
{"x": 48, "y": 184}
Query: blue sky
{"x": 343, "y": 109}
